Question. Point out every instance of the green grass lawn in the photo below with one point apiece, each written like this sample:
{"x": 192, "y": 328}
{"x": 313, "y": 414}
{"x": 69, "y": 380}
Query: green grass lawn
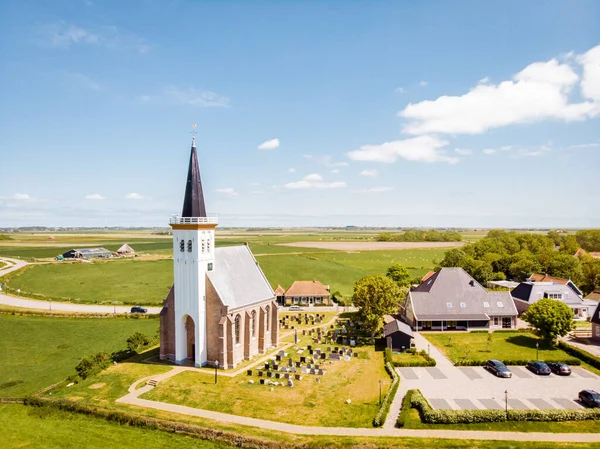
{"x": 407, "y": 357}
{"x": 124, "y": 281}
{"x": 504, "y": 346}
{"x": 307, "y": 403}
{"x": 44, "y": 428}
{"x": 38, "y": 351}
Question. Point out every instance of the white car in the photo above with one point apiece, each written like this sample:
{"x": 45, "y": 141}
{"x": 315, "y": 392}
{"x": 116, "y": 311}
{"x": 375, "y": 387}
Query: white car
{"x": 295, "y": 309}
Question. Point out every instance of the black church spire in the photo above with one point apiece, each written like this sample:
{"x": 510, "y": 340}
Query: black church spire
{"x": 193, "y": 202}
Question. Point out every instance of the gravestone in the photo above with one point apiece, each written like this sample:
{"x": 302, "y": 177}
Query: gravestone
{"x": 318, "y": 380}
{"x": 293, "y": 369}
{"x": 302, "y": 359}
{"x": 249, "y": 372}
{"x": 290, "y": 383}
{"x": 297, "y": 364}
{"x": 290, "y": 362}
{"x": 323, "y": 356}
{"x": 269, "y": 373}
{"x": 278, "y": 358}
{"x": 309, "y": 348}
{"x": 297, "y": 377}
{"x": 334, "y": 356}
{"x": 320, "y": 372}
{"x": 281, "y": 353}
{"x": 312, "y": 371}
{"x": 328, "y": 348}
{"x": 278, "y": 375}
{"x": 262, "y": 381}
{"x": 267, "y": 366}
{"x": 304, "y": 370}
{"x": 347, "y": 358}
{"x": 275, "y": 366}
{"x": 355, "y": 354}
{"x": 287, "y": 375}
{"x": 260, "y": 373}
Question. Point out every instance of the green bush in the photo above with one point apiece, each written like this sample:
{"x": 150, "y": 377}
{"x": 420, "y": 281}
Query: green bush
{"x": 480, "y": 331}
{"x": 387, "y": 356}
{"x": 429, "y": 361}
{"x": 580, "y": 353}
{"x": 514, "y": 362}
{"x": 405, "y": 410}
{"x": 88, "y": 366}
{"x": 137, "y": 341}
{"x": 381, "y": 416}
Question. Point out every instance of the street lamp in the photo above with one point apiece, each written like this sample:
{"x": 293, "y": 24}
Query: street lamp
{"x": 537, "y": 350}
{"x": 379, "y": 392}
{"x": 216, "y": 368}
{"x": 506, "y": 402}
{"x": 428, "y": 350}
{"x": 50, "y": 302}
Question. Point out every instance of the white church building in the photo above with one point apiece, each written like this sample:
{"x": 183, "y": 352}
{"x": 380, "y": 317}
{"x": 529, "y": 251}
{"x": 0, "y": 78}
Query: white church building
{"x": 221, "y": 308}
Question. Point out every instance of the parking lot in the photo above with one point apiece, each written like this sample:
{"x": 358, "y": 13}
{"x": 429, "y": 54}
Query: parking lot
{"x": 471, "y": 388}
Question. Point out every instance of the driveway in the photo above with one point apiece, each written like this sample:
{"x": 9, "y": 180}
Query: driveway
{"x": 11, "y": 265}
{"x": 470, "y": 388}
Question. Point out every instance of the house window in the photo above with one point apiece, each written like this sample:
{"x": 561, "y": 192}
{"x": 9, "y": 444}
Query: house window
{"x": 253, "y": 323}
{"x": 486, "y": 304}
{"x": 495, "y": 321}
{"x": 203, "y": 246}
{"x": 237, "y": 329}
{"x": 500, "y": 304}
{"x": 268, "y": 316}
{"x": 449, "y": 305}
{"x": 208, "y": 246}
{"x": 182, "y": 245}
{"x": 506, "y": 322}
{"x": 210, "y": 267}
{"x": 463, "y": 305}
{"x": 189, "y": 246}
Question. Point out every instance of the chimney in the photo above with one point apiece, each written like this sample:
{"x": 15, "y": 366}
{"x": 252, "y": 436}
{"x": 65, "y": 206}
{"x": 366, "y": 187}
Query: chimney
{"x": 472, "y": 283}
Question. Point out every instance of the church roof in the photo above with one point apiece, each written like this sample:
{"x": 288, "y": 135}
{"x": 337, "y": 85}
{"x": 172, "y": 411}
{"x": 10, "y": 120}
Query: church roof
{"x": 238, "y": 279}
{"x": 193, "y": 201}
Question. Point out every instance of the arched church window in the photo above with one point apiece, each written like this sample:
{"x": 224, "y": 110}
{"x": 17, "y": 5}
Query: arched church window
{"x": 181, "y": 245}
{"x": 189, "y": 246}
{"x": 236, "y": 328}
{"x": 268, "y": 316}
{"x": 253, "y": 323}
{"x": 208, "y": 245}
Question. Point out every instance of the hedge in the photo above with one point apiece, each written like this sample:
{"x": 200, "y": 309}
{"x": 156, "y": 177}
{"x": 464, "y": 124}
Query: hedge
{"x": 429, "y": 361}
{"x": 580, "y": 353}
{"x": 405, "y": 409}
{"x": 430, "y": 416}
{"x": 384, "y": 409}
{"x": 131, "y": 419}
{"x": 516, "y": 362}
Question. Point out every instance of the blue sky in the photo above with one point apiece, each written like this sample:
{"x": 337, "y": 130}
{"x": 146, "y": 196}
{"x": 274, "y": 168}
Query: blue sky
{"x": 376, "y": 113}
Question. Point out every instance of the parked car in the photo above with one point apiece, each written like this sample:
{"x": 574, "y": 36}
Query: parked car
{"x": 562, "y": 369}
{"x": 295, "y": 309}
{"x": 539, "y": 368}
{"x": 138, "y": 309}
{"x": 590, "y": 398}
{"x": 498, "y": 368}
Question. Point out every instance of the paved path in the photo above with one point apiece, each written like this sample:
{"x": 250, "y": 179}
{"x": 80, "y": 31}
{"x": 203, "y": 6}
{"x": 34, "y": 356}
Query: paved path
{"x": 132, "y": 398}
{"x": 593, "y": 348}
{"x": 11, "y": 265}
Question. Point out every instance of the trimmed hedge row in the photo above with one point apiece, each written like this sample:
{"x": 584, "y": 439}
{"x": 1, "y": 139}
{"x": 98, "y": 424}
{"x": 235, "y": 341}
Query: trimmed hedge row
{"x": 381, "y": 416}
{"x": 431, "y": 416}
{"x": 134, "y": 420}
{"x": 580, "y": 353}
{"x": 405, "y": 409}
{"x": 429, "y": 361}
{"x": 516, "y": 362}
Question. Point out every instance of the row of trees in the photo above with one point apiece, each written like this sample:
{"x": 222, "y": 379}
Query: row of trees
{"x": 589, "y": 239}
{"x": 501, "y": 255}
{"x": 431, "y": 235}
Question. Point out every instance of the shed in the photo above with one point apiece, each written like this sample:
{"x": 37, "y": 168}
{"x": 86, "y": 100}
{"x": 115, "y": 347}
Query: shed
{"x": 398, "y": 335}
{"x": 125, "y": 250}
{"x": 87, "y": 253}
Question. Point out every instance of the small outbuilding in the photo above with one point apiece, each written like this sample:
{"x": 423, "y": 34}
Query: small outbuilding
{"x": 87, "y": 253}
{"x": 398, "y": 335}
{"x": 126, "y": 250}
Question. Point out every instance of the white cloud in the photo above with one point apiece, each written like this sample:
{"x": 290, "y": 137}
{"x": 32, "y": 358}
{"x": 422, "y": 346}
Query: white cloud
{"x": 399, "y": 90}
{"x": 337, "y": 164}
{"x": 378, "y": 189}
{"x": 518, "y": 152}
{"x": 64, "y": 35}
{"x": 335, "y": 171}
{"x": 21, "y": 196}
{"x": 229, "y": 191}
{"x": 269, "y": 145}
{"x": 489, "y": 151}
{"x": 590, "y": 80}
{"x": 372, "y": 173}
{"x": 583, "y": 146}
{"x": 291, "y": 170}
{"x": 254, "y": 184}
{"x": 423, "y": 83}
{"x": 83, "y": 80}
{"x": 94, "y": 196}
{"x": 485, "y": 80}
{"x": 187, "y": 96}
{"x": 539, "y": 92}
{"x": 314, "y": 181}
{"x": 463, "y": 151}
{"x": 419, "y": 149}
{"x": 134, "y": 196}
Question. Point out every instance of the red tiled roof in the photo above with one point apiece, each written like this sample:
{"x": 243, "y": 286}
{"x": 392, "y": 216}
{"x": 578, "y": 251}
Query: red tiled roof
{"x": 307, "y": 288}
{"x": 594, "y": 296}
{"x": 279, "y": 291}
{"x": 427, "y": 276}
{"x": 537, "y": 277}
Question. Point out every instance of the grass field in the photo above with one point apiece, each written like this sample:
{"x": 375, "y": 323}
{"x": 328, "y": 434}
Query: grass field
{"x": 124, "y": 281}
{"x": 35, "y": 428}
{"x": 505, "y": 345}
{"x": 37, "y": 351}
{"x": 307, "y": 403}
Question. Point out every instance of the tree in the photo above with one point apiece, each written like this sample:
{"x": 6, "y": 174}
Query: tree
{"x": 376, "y": 296}
{"x": 137, "y": 340}
{"x": 523, "y": 268}
{"x": 399, "y": 274}
{"x": 565, "y": 266}
{"x": 453, "y": 258}
{"x": 550, "y": 318}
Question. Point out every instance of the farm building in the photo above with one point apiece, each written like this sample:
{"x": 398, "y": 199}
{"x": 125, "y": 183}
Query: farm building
{"x": 304, "y": 293}
{"x": 88, "y": 253}
{"x": 125, "y": 250}
{"x": 398, "y": 335}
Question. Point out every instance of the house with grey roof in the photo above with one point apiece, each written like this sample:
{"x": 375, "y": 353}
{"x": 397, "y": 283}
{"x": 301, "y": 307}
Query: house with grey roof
{"x": 398, "y": 335}
{"x": 527, "y": 293}
{"x": 451, "y": 299}
{"x": 596, "y": 322}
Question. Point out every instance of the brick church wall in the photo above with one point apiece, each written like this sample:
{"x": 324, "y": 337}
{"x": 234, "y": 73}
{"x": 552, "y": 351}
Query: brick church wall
{"x": 167, "y": 327}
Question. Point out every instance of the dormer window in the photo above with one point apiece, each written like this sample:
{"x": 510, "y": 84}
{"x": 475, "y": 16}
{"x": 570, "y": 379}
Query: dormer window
{"x": 463, "y": 305}
{"x": 189, "y": 246}
{"x": 500, "y": 304}
{"x": 486, "y": 304}
{"x": 449, "y": 305}
{"x": 182, "y": 245}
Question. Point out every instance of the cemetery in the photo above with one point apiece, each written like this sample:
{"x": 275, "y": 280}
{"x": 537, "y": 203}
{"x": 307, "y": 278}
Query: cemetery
{"x": 323, "y": 377}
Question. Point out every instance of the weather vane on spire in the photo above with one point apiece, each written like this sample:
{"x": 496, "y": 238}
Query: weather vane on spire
{"x": 194, "y": 132}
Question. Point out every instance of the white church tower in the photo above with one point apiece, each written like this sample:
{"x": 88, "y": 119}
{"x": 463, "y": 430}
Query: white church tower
{"x": 193, "y": 257}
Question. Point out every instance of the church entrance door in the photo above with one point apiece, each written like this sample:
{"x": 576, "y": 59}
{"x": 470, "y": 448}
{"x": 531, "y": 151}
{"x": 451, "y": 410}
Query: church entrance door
{"x": 190, "y": 329}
